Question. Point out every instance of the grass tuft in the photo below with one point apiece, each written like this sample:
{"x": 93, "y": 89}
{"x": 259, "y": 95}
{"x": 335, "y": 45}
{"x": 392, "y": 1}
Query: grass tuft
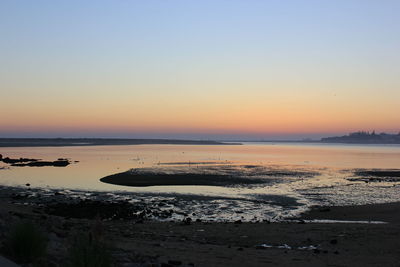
{"x": 86, "y": 251}
{"x": 25, "y": 243}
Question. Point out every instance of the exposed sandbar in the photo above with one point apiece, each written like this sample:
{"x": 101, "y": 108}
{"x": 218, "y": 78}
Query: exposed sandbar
{"x": 213, "y": 175}
{"x": 164, "y": 179}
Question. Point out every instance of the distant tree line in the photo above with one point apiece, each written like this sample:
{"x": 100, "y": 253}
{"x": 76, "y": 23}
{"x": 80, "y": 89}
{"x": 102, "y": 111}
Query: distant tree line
{"x": 364, "y": 137}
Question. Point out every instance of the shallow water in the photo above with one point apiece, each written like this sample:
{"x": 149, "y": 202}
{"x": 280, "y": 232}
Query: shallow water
{"x": 333, "y": 165}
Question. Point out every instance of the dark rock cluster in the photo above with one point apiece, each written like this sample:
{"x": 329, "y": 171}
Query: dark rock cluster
{"x": 22, "y": 162}
{"x": 118, "y": 210}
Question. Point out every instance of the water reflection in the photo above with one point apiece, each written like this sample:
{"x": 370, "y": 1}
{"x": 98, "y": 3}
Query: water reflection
{"x": 332, "y": 165}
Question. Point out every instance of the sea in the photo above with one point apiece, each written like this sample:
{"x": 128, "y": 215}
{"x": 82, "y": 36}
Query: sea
{"x": 332, "y": 179}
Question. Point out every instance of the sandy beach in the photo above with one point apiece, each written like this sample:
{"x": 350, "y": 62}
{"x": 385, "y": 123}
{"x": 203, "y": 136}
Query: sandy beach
{"x": 142, "y": 242}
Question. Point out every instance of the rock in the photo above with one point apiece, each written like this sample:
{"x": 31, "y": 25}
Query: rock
{"x": 324, "y": 209}
{"x": 187, "y": 221}
{"x": 90, "y": 209}
{"x": 18, "y": 196}
{"x": 174, "y": 262}
{"x": 21, "y": 162}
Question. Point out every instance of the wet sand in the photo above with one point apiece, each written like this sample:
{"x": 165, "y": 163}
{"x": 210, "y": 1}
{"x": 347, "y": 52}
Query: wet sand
{"x": 228, "y": 244}
{"x": 388, "y": 212}
{"x": 376, "y": 175}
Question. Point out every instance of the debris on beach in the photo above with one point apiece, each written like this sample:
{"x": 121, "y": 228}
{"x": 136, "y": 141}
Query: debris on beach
{"x": 286, "y": 246}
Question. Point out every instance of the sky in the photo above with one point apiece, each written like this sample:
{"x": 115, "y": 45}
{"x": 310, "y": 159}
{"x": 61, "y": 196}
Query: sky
{"x": 199, "y": 69}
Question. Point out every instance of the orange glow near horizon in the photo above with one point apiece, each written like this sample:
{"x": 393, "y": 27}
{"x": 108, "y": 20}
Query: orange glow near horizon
{"x": 236, "y": 116}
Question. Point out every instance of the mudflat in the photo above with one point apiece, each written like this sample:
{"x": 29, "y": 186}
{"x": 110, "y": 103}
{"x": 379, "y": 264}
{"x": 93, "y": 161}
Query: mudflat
{"x": 148, "y": 179}
{"x": 213, "y": 174}
{"x": 201, "y": 243}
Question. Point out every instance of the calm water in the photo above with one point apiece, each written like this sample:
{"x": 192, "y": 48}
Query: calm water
{"x": 333, "y": 163}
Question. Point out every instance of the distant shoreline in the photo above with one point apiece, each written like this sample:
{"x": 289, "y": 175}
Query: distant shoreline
{"x": 67, "y": 142}
{"x": 312, "y": 142}
{"x": 360, "y": 137}
{"x": 62, "y": 142}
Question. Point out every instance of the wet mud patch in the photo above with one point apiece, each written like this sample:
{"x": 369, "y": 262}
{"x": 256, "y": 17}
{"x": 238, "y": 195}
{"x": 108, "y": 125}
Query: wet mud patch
{"x": 105, "y": 210}
{"x": 279, "y": 200}
{"x": 375, "y": 175}
{"x": 195, "y": 163}
{"x": 351, "y": 193}
{"x": 139, "y": 207}
{"x": 131, "y": 178}
{"x": 231, "y": 175}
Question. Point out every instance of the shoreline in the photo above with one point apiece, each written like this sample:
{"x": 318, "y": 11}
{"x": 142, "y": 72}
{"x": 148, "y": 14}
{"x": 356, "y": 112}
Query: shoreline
{"x": 71, "y": 142}
{"x": 67, "y": 142}
{"x": 296, "y": 243}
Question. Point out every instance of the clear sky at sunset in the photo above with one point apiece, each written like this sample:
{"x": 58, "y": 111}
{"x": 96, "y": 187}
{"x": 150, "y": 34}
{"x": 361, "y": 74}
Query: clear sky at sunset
{"x": 199, "y": 69}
